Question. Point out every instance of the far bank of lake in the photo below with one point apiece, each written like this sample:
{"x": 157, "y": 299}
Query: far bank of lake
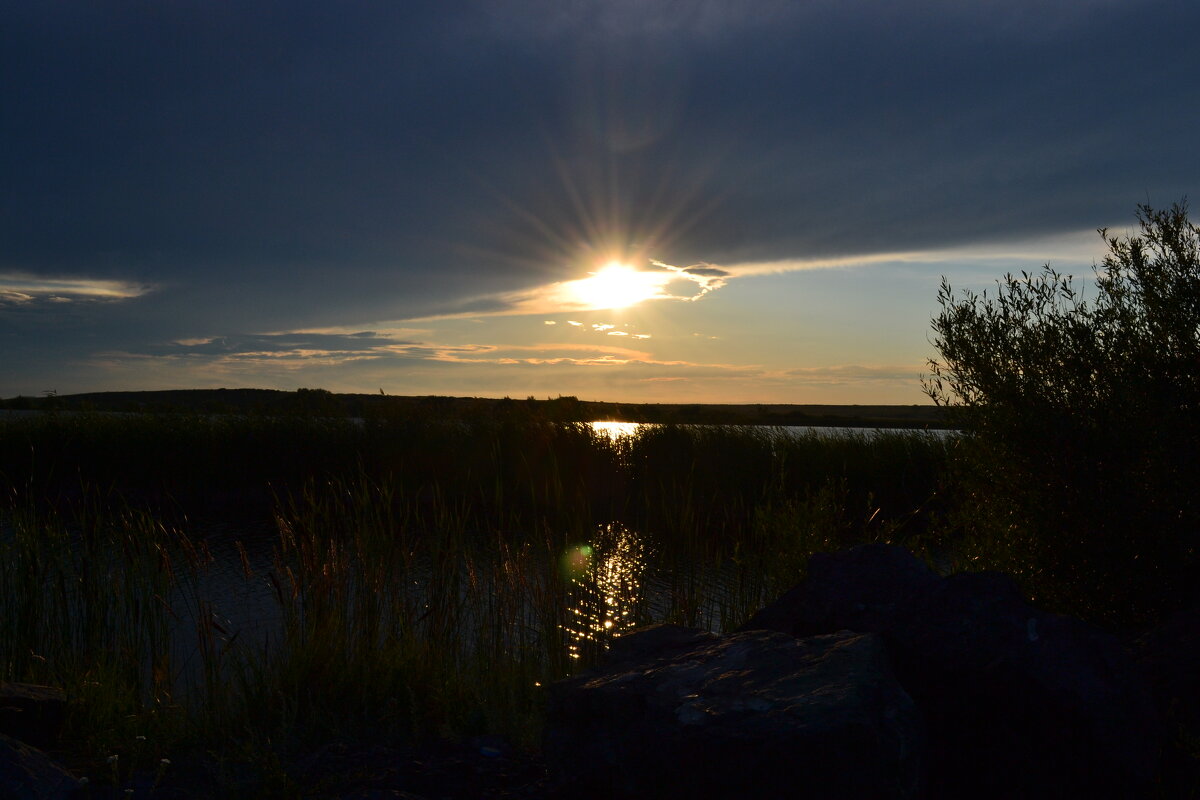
{"x": 559, "y": 409}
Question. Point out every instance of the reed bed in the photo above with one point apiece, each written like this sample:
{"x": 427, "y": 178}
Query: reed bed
{"x": 425, "y": 581}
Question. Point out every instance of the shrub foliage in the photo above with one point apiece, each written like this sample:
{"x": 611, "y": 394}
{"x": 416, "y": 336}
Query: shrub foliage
{"x": 1078, "y": 462}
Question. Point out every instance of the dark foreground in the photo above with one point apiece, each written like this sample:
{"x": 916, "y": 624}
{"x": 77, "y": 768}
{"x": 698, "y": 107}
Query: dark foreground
{"x": 341, "y": 771}
{"x": 874, "y": 678}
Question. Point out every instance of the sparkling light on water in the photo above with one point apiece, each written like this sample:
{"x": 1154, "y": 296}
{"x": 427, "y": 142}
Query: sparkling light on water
{"x": 607, "y": 587}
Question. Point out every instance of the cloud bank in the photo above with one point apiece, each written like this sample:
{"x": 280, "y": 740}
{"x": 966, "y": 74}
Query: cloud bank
{"x": 309, "y": 166}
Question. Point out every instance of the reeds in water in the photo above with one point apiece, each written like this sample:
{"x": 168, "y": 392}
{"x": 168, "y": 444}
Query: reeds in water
{"x": 423, "y": 582}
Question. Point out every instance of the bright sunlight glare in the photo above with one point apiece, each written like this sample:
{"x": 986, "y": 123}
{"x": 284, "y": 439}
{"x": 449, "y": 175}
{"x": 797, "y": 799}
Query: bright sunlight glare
{"x": 617, "y": 285}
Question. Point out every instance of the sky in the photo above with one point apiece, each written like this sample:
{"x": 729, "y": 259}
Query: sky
{"x": 629, "y": 200}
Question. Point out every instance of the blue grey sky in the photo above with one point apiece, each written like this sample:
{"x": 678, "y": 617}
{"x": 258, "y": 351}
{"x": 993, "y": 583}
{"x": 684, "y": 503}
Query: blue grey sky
{"x": 434, "y": 198}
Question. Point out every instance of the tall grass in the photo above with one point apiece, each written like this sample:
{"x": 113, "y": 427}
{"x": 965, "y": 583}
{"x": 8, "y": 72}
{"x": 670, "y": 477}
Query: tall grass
{"x": 86, "y": 604}
{"x": 428, "y": 581}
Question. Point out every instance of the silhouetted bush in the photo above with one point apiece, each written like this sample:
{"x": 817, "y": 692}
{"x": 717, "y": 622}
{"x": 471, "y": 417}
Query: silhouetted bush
{"x": 1079, "y": 458}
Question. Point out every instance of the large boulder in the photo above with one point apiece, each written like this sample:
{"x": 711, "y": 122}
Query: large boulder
{"x": 27, "y": 773}
{"x": 1168, "y": 657}
{"x": 859, "y": 589}
{"x": 34, "y": 714}
{"x": 1021, "y": 703}
{"x": 1018, "y": 702}
{"x": 685, "y": 713}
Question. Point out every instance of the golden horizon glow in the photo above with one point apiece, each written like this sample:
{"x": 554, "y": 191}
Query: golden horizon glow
{"x": 617, "y": 285}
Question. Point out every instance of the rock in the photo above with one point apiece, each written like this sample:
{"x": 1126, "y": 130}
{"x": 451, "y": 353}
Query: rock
{"x": 654, "y": 642}
{"x": 858, "y": 589}
{"x": 1017, "y": 702}
{"x": 484, "y": 768}
{"x": 32, "y": 714}
{"x": 27, "y": 773}
{"x": 1169, "y": 657}
{"x": 684, "y": 713}
{"x": 1021, "y": 703}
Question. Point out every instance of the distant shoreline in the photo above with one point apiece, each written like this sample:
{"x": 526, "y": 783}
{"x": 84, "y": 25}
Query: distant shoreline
{"x": 560, "y": 409}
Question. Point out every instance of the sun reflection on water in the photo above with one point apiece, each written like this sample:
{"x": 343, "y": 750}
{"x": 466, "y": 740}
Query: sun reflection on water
{"x": 615, "y": 430}
{"x": 606, "y": 579}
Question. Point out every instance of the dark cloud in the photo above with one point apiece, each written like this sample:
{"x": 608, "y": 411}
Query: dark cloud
{"x": 707, "y": 272}
{"x": 272, "y": 165}
{"x": 363, "y": 344}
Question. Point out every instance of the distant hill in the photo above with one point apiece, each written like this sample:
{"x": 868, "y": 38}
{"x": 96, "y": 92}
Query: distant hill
{"x": 561, "y": 409}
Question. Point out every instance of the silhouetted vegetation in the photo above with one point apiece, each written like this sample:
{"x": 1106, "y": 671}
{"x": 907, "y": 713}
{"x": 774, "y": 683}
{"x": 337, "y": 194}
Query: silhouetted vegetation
{"x": 1077, "y": 468}
{"x": 522, "y": 465}
{"x": 414, "y": 572}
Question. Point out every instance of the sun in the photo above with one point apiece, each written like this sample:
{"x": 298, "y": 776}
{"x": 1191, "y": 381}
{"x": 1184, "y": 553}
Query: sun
{"x": 616, "y": 285}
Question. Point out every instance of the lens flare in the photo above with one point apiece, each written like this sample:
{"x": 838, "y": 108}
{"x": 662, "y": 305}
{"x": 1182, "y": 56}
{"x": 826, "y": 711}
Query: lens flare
{"x": 576, "y": 562}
